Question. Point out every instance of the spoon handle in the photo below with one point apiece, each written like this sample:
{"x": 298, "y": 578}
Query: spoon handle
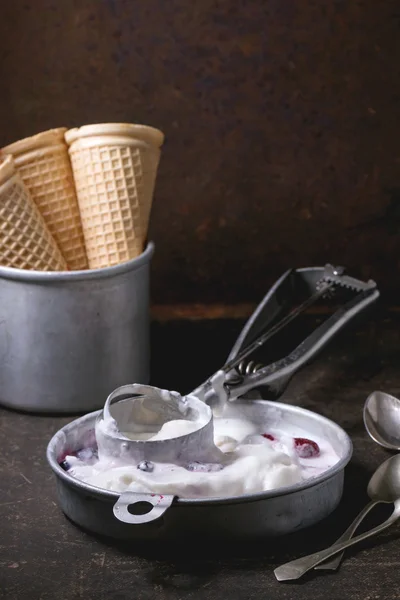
{"x": 297, "y": 568}
{"x": 333, "y": 564}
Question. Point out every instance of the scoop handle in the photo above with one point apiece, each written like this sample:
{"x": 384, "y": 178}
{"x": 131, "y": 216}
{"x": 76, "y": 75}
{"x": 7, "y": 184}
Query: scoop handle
{"x": 297, "y": 568}
{"x": 333, "y": 564}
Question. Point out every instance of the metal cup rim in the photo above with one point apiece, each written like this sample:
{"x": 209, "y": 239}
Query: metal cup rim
{"x": 83, "y": 275}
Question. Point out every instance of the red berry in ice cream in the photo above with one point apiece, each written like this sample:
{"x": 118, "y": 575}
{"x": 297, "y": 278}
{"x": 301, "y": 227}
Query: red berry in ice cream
{"x": 306, "y": 448}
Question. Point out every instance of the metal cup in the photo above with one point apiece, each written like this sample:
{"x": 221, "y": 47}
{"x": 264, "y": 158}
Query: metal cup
{"x": 68, "y": 339}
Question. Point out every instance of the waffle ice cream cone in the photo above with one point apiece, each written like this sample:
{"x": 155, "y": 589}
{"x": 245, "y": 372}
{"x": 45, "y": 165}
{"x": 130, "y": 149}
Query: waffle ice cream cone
{"x": 25, "y": 241}
{"x": 115, "y": 168}
{"x": 43, "y": 163}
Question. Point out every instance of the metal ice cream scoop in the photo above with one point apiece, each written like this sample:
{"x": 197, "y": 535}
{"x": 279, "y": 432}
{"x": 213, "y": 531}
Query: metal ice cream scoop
{"x": 131, "y": 426}
{"x": 132, "y": 414}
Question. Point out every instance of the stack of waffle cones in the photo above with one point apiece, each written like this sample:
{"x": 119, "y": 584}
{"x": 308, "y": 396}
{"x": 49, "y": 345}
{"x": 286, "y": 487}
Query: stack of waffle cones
{"x": 91, "y": 189}
{"x": 43, "y": 163}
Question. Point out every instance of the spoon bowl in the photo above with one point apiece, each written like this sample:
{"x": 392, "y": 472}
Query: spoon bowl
{"x": 382, "y": 419}
{"x": 384, "y": 485}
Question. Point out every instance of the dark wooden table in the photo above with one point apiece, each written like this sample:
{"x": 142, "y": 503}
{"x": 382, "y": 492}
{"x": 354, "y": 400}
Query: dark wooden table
{"x": 44, "y": 556}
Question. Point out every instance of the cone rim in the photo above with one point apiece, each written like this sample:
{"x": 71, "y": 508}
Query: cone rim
{"x": 50, "y": 137}
{"x": 145, "y": 133}
{"x": 7, "y": 169}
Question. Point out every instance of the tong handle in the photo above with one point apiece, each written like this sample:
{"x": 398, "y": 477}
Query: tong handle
{"x": 260, "y": 341}
{"x": 277, "y": 375}
{"x": 314, "y": 282}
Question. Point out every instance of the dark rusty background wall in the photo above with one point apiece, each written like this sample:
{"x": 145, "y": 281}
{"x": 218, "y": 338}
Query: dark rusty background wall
{"x": 281, "y": 116}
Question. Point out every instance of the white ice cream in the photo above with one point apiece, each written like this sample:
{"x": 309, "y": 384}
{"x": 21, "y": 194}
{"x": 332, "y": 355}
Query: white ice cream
{"x": 250, "y": 463}
{"x": 170, "y": 429}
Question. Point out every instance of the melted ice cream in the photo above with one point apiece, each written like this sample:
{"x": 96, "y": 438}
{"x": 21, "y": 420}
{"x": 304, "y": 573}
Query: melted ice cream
{"x": 169, "y": 430}
{"x": 251, "y": 460}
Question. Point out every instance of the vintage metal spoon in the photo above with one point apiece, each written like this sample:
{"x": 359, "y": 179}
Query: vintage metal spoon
{"x": 382, "y": 422}
{"x": 384, "y": 486}
{"x": 382, "y": 419}
{"x": 334, "y": 562}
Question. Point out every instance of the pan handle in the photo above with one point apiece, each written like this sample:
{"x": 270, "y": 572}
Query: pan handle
{"x": 136, "y": 509}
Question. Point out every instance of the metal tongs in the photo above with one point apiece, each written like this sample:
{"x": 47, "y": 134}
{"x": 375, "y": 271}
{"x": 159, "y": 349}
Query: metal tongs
{"x": 294, "y": 293}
